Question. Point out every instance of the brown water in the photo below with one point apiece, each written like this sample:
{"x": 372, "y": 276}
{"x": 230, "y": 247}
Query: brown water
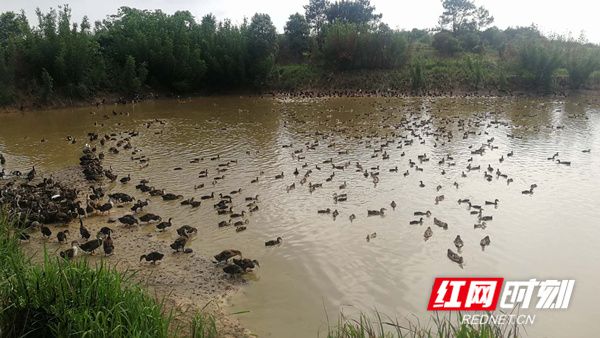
{"x": 325, "y": 265}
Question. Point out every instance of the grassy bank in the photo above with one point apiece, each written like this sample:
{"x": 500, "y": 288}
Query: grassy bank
{"x": 446, "y": 326}
{"x": 61, "y": 299}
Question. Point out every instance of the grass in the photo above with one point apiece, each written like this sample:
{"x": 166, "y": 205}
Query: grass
{"x": 72, "y": 299}
{"x": 378, "y": 326}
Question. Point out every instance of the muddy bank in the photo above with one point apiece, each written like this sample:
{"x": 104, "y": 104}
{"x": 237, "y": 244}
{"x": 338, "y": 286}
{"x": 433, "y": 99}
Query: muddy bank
{"x": 187, "y": 283}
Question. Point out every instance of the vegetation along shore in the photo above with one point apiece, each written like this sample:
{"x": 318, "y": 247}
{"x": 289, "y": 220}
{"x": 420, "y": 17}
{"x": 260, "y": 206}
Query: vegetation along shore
{"x": 333, "y": 46}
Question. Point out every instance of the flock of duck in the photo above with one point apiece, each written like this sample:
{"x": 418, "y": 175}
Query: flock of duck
{"x": 48, "y": 202}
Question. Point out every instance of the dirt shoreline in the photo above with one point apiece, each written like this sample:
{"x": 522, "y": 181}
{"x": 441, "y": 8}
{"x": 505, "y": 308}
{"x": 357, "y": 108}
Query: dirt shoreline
{"x": 187, "y": 283}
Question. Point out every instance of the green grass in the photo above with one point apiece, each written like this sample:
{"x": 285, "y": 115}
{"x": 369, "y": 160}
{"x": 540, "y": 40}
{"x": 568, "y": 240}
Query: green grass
{"x": 73, "y": 299}
{"x": 378, "y": 326}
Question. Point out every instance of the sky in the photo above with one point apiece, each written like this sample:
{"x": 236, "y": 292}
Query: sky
{"x": 551, "y": 16}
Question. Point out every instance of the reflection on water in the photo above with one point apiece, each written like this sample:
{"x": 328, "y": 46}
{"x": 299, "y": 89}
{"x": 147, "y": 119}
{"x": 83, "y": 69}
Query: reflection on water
{"x": 324, "y": 264}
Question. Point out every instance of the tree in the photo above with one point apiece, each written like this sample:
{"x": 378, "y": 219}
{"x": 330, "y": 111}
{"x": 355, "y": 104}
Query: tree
{"x": 358, "y": 12}
{"x": 262, "y": 47}
{"x": 315, "y": 13}
{"x": 296, "y": 33}
{"x": 461, "y": 15}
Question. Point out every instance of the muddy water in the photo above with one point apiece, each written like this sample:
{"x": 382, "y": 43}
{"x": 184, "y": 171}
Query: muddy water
{"x": 325, "y": 265}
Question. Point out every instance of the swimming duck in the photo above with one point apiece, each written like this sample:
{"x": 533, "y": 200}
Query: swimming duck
{"x": 126, "y": 179}
{"x": 495, "y": 202}
{"x": 274, "y": 242}
{"x": 421, "y": 213}
{"x": 371, "y": 236}
{"x": 225, "y": 255}
{"x": 420, "y": 221}
{"x": 324, "y": 211}
{"x": 70, "y": 253}
{"x": 393, "y": 205}
{"x": 163, "y": 225}
{"x": 458, "y": 242}
{"x": 153, "y": 257}
{"x": 379, "y": 212}
{"x": 421, "y": 184}
{"x": 563, "y": 162}
{"x": 485, "y": 241}
{"x": 440, "y": 223}
{"x": 454, "y": 257}
{"x": 205, "y": 197}
{"x": 280, "y": 176}
{"x": 171, "y": 197}
{"x": 352, "y": 217}
{"x": 428, "y": 233}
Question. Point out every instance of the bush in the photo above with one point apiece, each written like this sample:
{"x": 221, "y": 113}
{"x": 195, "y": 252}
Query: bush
{"x": 446, "y": 44}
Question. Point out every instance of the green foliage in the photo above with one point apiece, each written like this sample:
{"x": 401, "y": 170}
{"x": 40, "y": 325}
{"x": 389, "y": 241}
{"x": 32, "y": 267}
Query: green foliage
{"x": 462, "y": 15}
{"x": 351, "y": 46}
{"x": 262, "y": 48}
{"x": 297, "y": 37}
{"x": 537, "y": 62}
{"x": 446, "y": 44}
{"x": 447, "y": 326}
{"x": 358, "y": 12}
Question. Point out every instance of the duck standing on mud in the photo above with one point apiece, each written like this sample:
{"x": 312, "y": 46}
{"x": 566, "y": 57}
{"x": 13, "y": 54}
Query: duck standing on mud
{"x": 70, "y": 253}
{"x": 108, "y": 245}
{"x": 153, "y": 257}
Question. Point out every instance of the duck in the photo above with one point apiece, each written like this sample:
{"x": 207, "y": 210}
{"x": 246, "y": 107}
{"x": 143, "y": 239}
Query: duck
{"x": 108, "y": 245}
{"x": 421, "y": 213}
{"x": 324, "y": 211}
{"x": 206, "y": 197}
{"x": 236, "y": 215}
{"x": 83, "y": 231}
{"x": 563, "y": 162}
{"x": 495, "y": 202}
{"x": 126, "y": 179}
{"x": 152, "y": 257}
{"x": 421, "y": 184}
{"x": 428, "y": 233}
{"x": 105, "y": 231}
{"x": 485, "y": 241}
{"x": 379, "y": 212}
{"x": 179, "y": 244}
{"x": 164, "y": 225}
{"x": 453, "y": 256}
{"x": 128, "y": 220}
{"x": 440, "y": 223}
{"x": 62, "y": 236}
{"x": 171, "y": 197}
{"x": 91, "y": 246}
{"x": 274, "y": 242}
{"x": 147, "y": 218}
{"x": 420, "y": 221}
{"x": 225, "y": 255}
{"x": 371, "y": 236}
{"x": 280, "y": 176}
{"x": 246, "y": 264}
{"x": 458, "y": 242}
{"x": 352, "y": 217}
{"x": 72, "y": 252}
{"x": 187, "y": 231}
{"x": 46, "y": 232}
{"x": 233, "y": 270}
{"x": 224, "y": 224}
{"x": 393, "y": 205}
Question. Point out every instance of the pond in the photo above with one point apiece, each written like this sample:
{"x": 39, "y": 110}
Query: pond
{"x": 325, "y": 264}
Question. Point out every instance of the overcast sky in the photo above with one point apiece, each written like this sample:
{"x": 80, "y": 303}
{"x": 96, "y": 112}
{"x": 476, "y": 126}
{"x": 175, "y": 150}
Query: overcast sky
{"x": 551, "y": 16}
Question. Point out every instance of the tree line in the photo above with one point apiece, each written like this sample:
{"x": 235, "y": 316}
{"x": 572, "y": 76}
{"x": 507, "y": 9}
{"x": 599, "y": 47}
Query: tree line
{"x": 138, "y": 51}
